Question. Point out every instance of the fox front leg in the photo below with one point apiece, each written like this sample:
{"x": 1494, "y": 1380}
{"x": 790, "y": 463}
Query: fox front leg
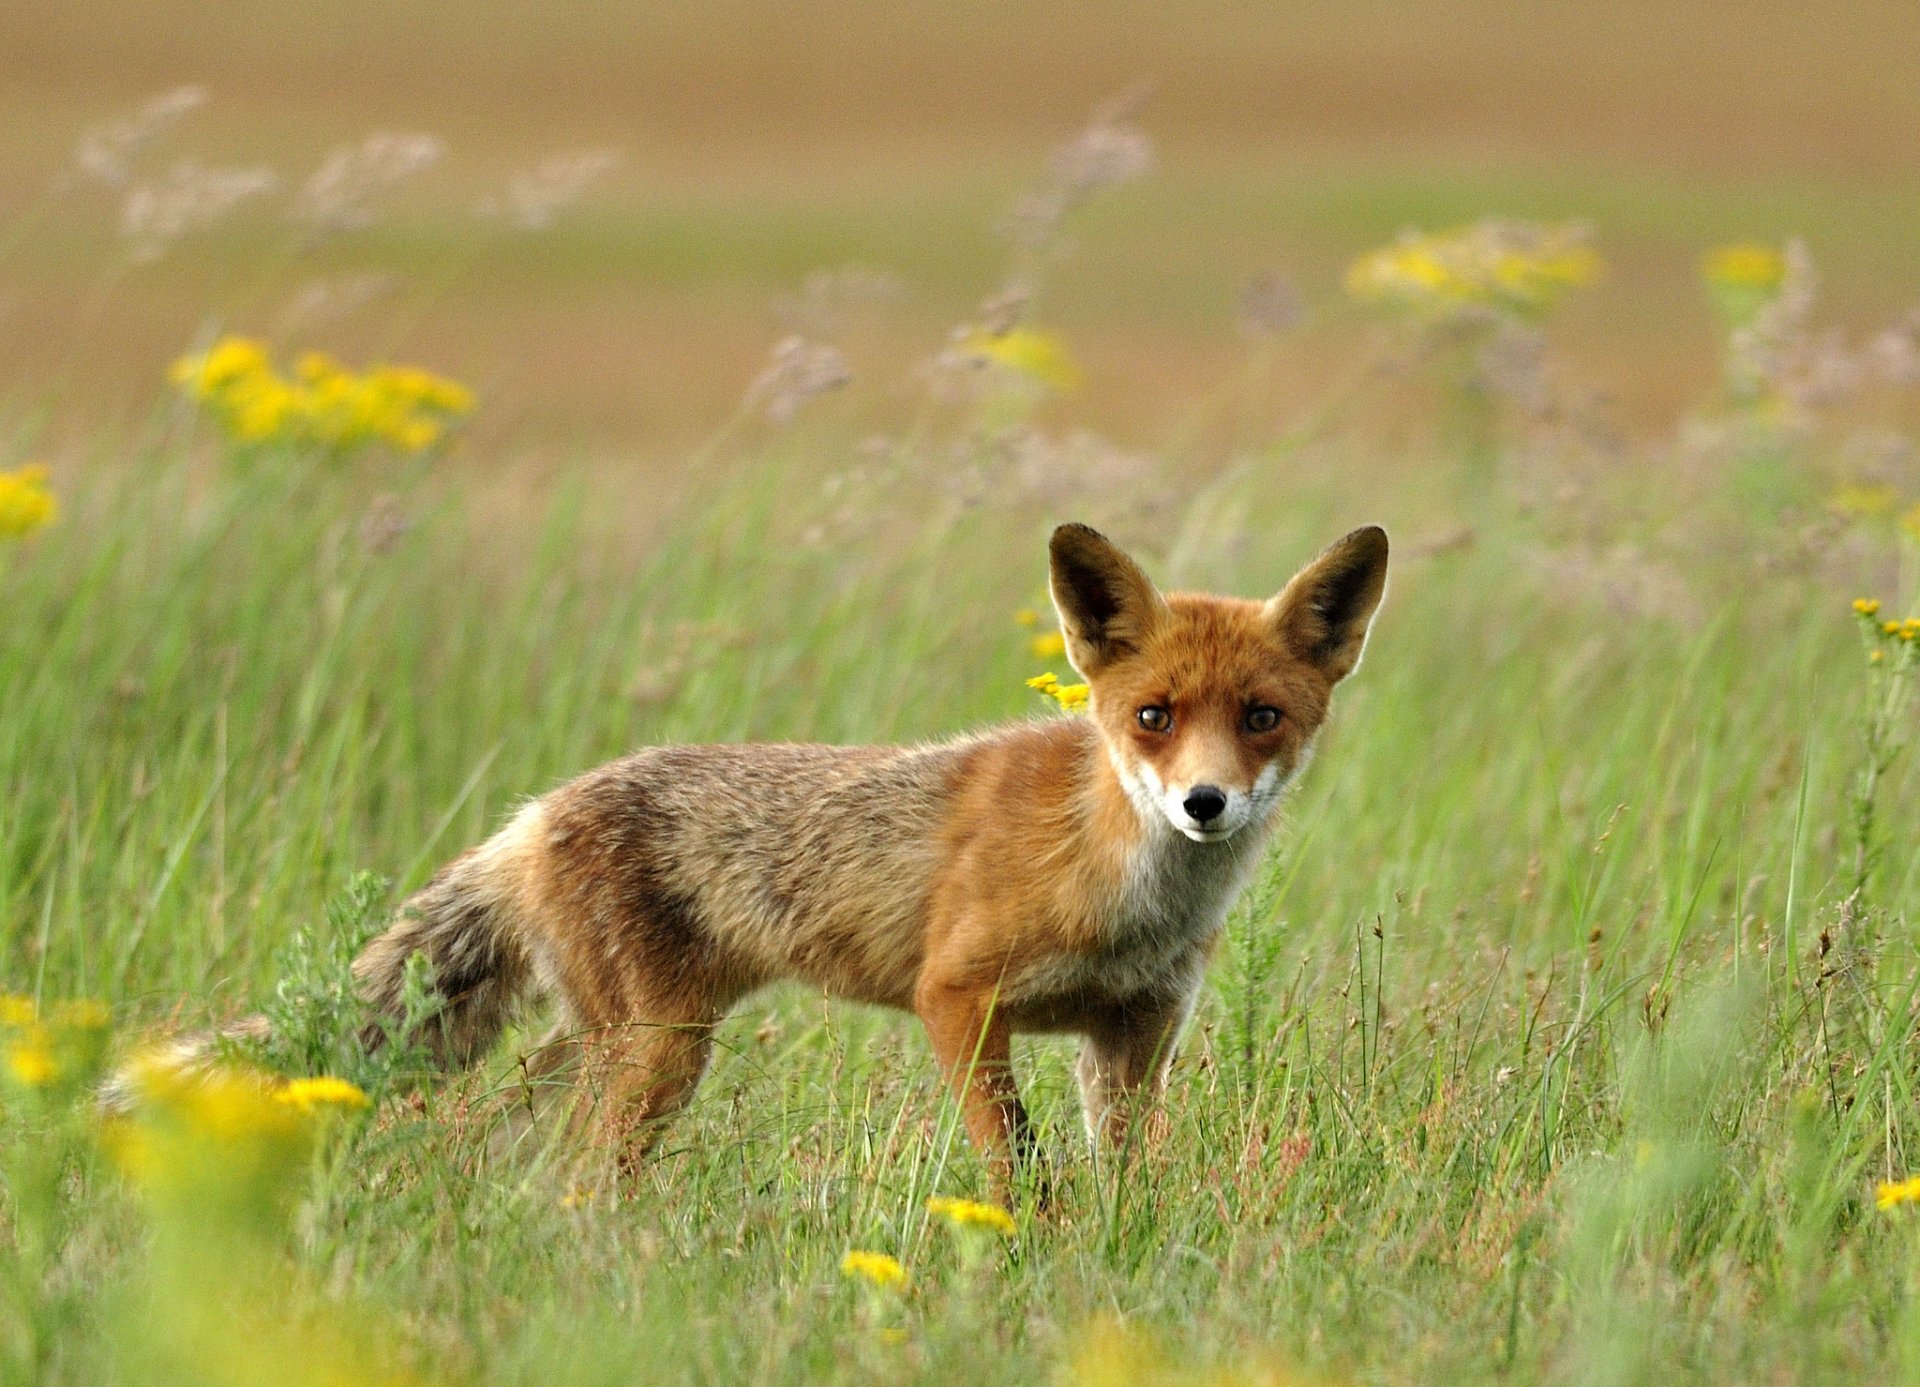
{"x": 973, "y": 1045}
{"x": 1123, "y": 1068}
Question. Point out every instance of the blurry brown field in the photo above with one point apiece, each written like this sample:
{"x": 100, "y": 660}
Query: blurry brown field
{"x": 760, "y": 143}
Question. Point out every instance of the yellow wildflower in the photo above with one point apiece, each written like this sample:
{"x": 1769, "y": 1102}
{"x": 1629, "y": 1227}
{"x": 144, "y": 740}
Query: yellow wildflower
{"x": 1520, "y": 266}
{"x": 1026, "y": 616}
{"x": 1910, "y": 630}
{"x": 1894, "y": 1192}
{"x": 1910, "y": 522}
{"x": 17, "y": 1011}
{"x": 1745, "y": 266}
{"x": 1072, "y": 697}
{"x": 1868, "y": 500}
{"x": 1889, "y": 628}
{"x": 227, "y": 362}
{"x": 221, "y": 1136}
{"x": 969, "y": 1214}
{"x": 1866, "y": 606}
{"x": 26, "y": 503}
{"x": 65, "y": 1043}
{"x": 321, "y": 1093}
{"x": 875, "y": 1268}
{"x": 1048, "y": 646}
{"x": 1030, "y": 352}
{"x": 324, "y": 404}
{"x": 1874, "y": 657}
{"x": 31, "y": 1062}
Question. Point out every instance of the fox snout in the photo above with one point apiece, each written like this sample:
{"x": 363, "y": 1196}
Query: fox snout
{"x": 1204, "y": 804}
{"x": 1207, "y": 812}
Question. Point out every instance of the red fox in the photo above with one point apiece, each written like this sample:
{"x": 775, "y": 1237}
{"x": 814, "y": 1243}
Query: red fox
{"x": 1065, "y": 874}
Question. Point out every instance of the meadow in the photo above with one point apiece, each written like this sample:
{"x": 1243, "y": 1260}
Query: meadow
{"x": 1568, "y": 1035}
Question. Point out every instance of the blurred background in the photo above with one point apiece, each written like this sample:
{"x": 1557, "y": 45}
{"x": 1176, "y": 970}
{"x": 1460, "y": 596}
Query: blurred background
{"x": 621, "y": 206}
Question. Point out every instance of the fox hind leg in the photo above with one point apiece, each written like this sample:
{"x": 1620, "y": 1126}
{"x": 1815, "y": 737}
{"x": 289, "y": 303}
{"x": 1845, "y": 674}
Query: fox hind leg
{"x": 636, "y": 1074}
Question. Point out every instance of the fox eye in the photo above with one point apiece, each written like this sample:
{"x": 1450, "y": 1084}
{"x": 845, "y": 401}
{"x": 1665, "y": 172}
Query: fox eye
{"x": 1155, "y": 718}
{"x": 1261, "y": 718}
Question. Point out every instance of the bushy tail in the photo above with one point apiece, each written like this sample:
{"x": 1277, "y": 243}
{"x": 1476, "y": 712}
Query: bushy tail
{"x": 466, "y": 923}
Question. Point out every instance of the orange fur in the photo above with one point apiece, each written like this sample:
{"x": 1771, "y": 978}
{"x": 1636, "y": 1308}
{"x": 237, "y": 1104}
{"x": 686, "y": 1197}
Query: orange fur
{"x": 1045, "y": 876}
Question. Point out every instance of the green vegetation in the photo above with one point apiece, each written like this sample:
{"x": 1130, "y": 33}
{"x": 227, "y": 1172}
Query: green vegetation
{"x": 1569, "y": 1035}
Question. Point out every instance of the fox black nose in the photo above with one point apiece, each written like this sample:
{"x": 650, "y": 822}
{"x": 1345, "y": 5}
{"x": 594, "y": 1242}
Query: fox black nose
{"x": 1204, "y": 804}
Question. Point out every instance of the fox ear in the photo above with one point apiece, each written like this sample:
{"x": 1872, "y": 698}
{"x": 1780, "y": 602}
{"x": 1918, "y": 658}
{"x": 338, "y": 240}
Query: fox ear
{"x": 1324, "y": 612}
{"x": 1106, "y": 604}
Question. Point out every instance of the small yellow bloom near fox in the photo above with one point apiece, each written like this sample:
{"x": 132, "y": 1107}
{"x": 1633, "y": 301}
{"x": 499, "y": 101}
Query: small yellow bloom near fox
{"x": 223, "y": 1137}
{"x": 322, "y": 1094}
{"x": 1050, "y": 646}
{"x": 970, "y": 1215}
{"x": 1072, "y": 697}
{"x": 57, "y": 1048}
{"x": 1893, "y": 1193}
{"x": 26, "y": 502}
{"x": 324, "y": 404}
{"x": 874, "y": 1268}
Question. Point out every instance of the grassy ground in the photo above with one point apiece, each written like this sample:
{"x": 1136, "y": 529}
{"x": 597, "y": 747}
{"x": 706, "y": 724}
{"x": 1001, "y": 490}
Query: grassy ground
{"x": 1568, "y": 1030}
{"x": 1555, "y": 1043}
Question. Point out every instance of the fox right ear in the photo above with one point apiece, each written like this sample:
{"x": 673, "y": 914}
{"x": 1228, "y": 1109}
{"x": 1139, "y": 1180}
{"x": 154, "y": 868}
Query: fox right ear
{"x": 1106, "y": 604}
{"x": 1325, "y": 611}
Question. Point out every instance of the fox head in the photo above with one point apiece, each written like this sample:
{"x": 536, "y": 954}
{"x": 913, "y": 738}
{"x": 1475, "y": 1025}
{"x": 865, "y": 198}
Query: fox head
{"x": 1207, "y": 705}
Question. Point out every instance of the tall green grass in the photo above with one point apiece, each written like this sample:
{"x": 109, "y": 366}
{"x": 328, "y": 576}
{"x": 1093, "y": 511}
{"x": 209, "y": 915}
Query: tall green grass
{"x": 1550, "y": 1046}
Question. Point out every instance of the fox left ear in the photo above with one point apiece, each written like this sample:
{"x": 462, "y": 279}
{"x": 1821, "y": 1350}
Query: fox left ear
{"x": 1323, "y": 614}
{"x": 1107, "y": 606}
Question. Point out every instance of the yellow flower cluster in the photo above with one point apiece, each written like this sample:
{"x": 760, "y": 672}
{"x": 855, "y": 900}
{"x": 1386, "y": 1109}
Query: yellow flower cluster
{"x": 874, "y": 1268}
{"x": 61, "y": 1047}
{"x": 1864, "y": 500}
{"x": 26, "y": 502}
{"x": 1745, "y": 266}
{"x": 1030, "y": 353}
{"x": 1743, "y": 280}
{"x": 1899, "y": 639}
{"x": 324, "y": 404}
{"x": 1891, "y": 1193}
{"x": 1072, "y": 697}
{"x": 969, "y": 1215}
{"x": 1520, "y": 267}
{"x": 232, "y": 1136}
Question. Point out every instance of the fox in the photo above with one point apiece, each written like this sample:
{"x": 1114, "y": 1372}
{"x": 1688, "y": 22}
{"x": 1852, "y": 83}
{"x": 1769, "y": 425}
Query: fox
{"x": 1052, "y": 875}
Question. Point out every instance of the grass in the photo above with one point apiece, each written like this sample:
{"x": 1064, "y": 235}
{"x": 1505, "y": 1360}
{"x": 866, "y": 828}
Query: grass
{"x": 1563, "y": 1038}
{"x": 1546, "y": 1048}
